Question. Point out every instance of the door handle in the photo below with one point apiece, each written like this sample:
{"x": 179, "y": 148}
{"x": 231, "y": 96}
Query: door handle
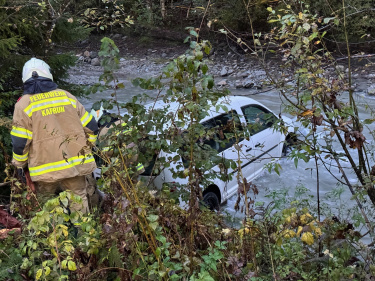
{"x": 258, "y": 144}
{"x": 247, "y": 150}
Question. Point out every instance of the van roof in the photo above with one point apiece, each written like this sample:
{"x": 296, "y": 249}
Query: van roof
{"x": 173, "y": 106}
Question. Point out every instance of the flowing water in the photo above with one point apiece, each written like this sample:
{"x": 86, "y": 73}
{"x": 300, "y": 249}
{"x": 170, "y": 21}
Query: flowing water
{"x": 290, "y": 178}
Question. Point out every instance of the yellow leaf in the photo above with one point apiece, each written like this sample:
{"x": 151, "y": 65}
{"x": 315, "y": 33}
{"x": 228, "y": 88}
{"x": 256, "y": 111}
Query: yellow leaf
{"x": 308, "y": 238}
{"x": 48, "y": 270}
{"x": 279, "y": 242}
{"x": 300, "y": 228}
{"x": 318, "y": 231}
{"x": 38, "y": 274}
{"x": 226, "y": 231}
{"x": 292, "y": 233}
{"x": 300, "y": 15}
{"x": 288, "y": 220}
{"x": 72, "y": 266}
{"x": 307, "y": 113}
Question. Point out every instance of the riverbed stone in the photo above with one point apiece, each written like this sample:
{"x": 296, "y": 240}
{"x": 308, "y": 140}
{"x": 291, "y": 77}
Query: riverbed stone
{"x": 340, "y": 68}
{"x": 224, "y": 71}
{"x": 222, "y": 83}
{"x": 95, "y": 62}
{"x": 238, "y": 84}
{"x": 248, "y": 83}
{"x": 371, "y": 90}
{"x": 93, "y": 54}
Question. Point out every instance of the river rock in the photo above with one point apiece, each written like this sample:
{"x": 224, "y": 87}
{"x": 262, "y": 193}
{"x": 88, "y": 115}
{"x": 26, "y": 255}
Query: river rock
{"x": 243, "y": 74}
{"x": 222, "y": 83}
{"x": 163, "y": 55}
{"x": 230, "y": 71}
{"x": 95, "y": 62}
{"x": 371, "y": 90}
{"x": 238, "y": 84}
{"x": 248, "y": 83}
{"x": 224, "y": 71}
{"x": 93, "y": 54}
{"x": 86, "y": 54}
{"x": 340, "y": 68}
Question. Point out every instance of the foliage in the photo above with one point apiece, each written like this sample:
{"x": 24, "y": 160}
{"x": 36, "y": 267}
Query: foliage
{"x": 31, "y": 29}
{"x": 144, "y": 234}
{"x": 106, "y": 15}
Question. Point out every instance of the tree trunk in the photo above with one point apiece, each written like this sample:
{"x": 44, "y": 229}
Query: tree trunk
{"x": 149, "y": 11}
{"x": 163, "y": 10}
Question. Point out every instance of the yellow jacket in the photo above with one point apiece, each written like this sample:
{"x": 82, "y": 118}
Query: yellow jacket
{"x": 50, "y": 134}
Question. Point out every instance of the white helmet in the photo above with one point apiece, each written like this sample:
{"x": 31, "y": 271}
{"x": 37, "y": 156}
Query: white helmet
{"x": 37, "y": 65}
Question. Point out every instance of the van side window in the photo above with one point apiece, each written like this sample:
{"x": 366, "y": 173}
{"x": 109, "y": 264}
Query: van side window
{"x": 224, "y": 131}
{"x": 258, "y": 118}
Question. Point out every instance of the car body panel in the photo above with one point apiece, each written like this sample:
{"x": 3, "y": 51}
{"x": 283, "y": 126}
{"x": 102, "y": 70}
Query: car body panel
{"x": 252, "y": 152}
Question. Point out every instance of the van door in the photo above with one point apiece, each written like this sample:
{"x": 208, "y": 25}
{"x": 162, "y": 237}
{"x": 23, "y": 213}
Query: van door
{"x": 265, "y": 140}
{"x": 228, "y": 131}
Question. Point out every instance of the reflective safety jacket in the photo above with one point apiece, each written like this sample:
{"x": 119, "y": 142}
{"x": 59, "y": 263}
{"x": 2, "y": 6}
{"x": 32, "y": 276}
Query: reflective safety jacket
{"x": 50, "y": 133}
{"x": 104, "y": 142}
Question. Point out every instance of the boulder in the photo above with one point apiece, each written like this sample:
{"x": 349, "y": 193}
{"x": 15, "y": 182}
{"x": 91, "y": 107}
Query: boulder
{"x": 93, "y": 54}
{"x": 238, "y": 84}
{"x": 230, "y": 71}
{"x": 224, "y": 71}
{"x": 95, "y": 62}
{"x": 340, "y": 68}
{"x": 222, "y": 83}
{"x": 248, "y": 83}
{"x": 371, "y": 90}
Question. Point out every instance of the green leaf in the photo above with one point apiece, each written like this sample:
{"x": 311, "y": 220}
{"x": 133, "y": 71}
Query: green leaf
{"x": 153, "y": 218}
{"x": 193, "y": 33}
{"x": 327, "y": 20}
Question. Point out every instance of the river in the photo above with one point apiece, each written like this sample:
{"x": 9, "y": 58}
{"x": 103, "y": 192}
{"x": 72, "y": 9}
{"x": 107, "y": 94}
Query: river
{"x": 291, "y": 179}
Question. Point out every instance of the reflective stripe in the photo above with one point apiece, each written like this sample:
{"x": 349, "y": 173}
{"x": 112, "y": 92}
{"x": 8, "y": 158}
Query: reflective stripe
{"x": 61, "y": 165}
{"x": 139, "y": 167}
{"x": 73, "y": 102}
{"x": 105, "y": 149}
{"x": 21, "y": 157}
{"x": 92, "y": 138}
{"x": 86, "y": 118}
{"x": 43, "y": 104}
{"x": 21, "y": 132}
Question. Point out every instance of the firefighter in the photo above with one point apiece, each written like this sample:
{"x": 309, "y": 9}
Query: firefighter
{"x": 51, "y": 136}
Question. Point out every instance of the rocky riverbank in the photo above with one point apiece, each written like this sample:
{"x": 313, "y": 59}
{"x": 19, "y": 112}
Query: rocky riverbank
{"x": 230, "y": 68}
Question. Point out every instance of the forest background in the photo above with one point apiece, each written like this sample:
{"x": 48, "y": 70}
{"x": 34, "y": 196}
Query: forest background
{"x": 286, "y": 246}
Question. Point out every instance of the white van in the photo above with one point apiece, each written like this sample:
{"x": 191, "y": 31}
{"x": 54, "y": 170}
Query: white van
{"x": 265, "y": 144}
